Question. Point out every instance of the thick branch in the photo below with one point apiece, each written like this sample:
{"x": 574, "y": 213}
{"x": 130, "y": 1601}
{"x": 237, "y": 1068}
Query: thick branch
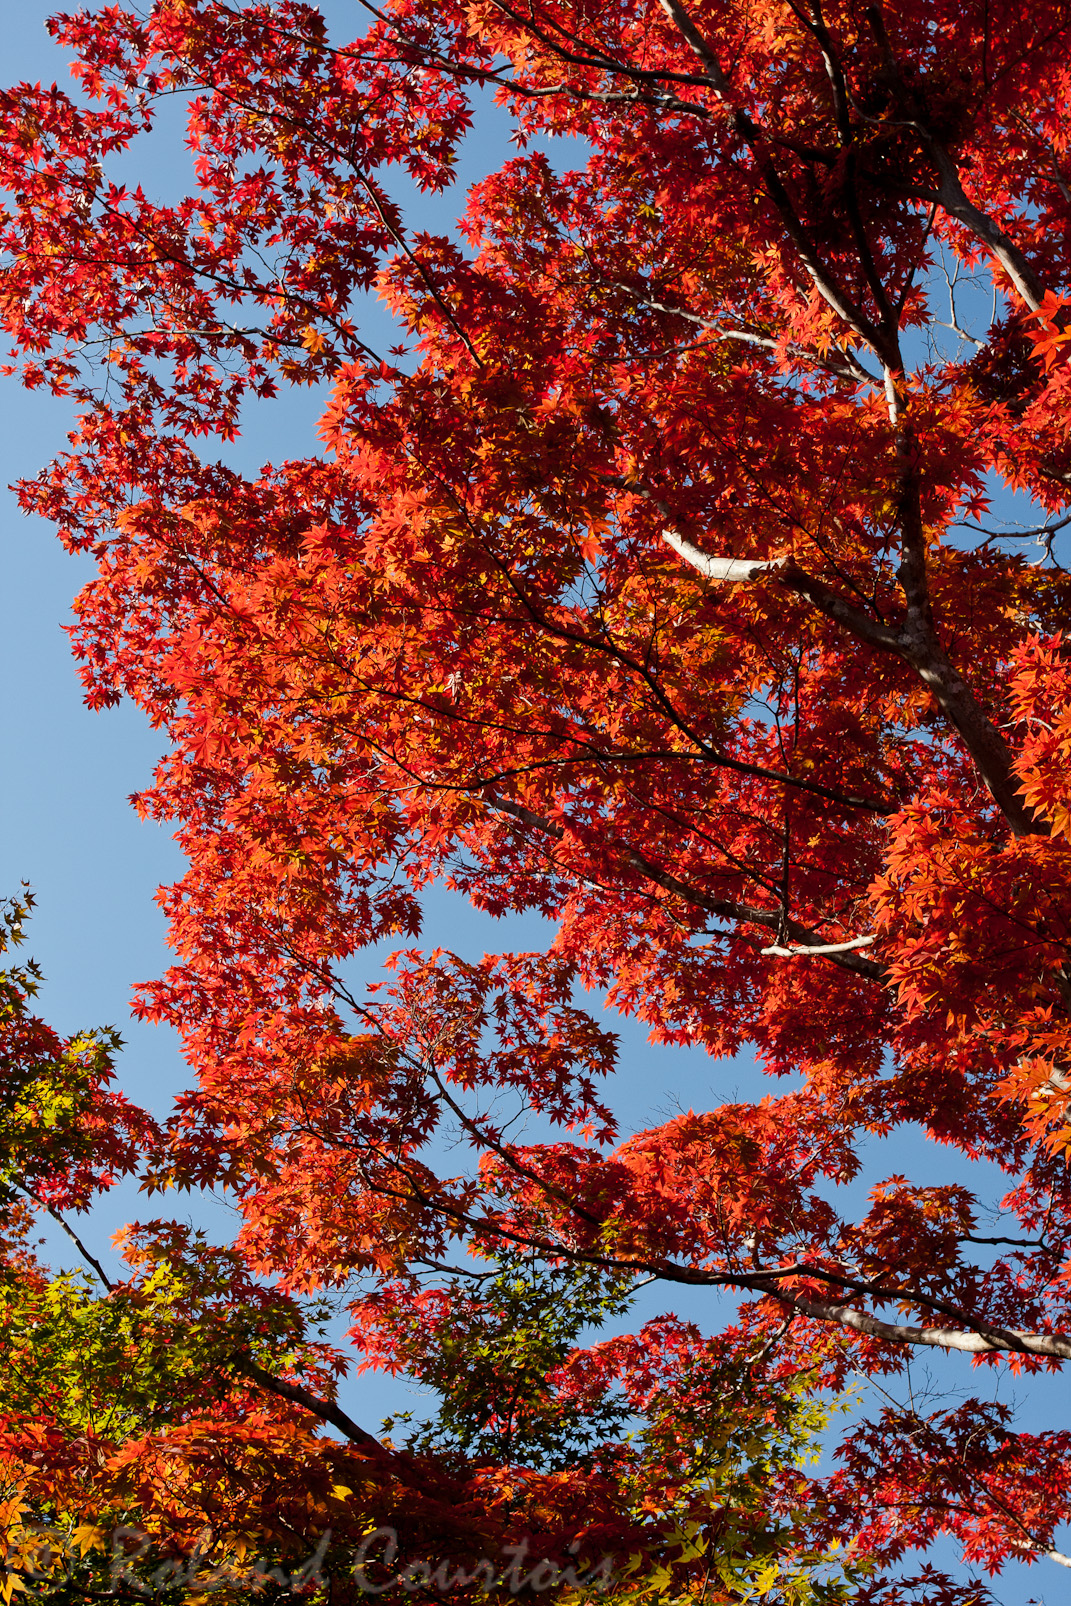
{"x": 734, "y": 570}
{"x": 821, "y": 948}
{"x": 914, "y": 642}
{"x": 986, "y": 1342}
{"x": 991, "y": 754}
{"x": 950, "y": 194}
{"x": 787, "y": 573}
{"x": 985, "y": 743}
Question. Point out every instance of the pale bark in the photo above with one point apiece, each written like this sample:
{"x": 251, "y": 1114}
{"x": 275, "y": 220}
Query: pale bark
{"x": 986, "y": 1342}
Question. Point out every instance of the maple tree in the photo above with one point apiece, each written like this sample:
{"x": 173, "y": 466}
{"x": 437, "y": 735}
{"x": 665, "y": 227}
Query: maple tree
{"x": 158, "y": 1430}
{"x": 667, "y": 579}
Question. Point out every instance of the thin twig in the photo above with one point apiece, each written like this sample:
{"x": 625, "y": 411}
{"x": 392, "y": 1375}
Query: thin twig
{"x": 90, "y": 1260}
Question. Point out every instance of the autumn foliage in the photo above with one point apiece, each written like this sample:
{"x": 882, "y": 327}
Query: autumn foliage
{"x": 689, "y": 574}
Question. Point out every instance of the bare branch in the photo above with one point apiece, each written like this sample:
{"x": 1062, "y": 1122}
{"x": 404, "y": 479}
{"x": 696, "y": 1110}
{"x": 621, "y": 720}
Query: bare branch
{"x": 90, "y": 1260}
{"x": 785, "y": 570}
{"x": 326, "y": 1410}
{"x": 731, "y": 569}
{"x": 954, "y": 201}
{"x": 821, "y": 948}
{"x": 987, "y": 1341}
{"x": 842, "y": 365}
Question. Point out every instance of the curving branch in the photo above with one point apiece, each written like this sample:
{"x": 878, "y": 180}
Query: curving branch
{"x": 755, "y": 141}
{"x": 737, "y": 571}
{"x": 722, "y": 908}
{"x": 950, "y": 195}
{"x": 90, "y": 1260}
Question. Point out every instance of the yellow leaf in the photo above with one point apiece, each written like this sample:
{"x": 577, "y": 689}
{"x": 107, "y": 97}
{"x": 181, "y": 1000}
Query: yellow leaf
{"x": 86, "y": 1537}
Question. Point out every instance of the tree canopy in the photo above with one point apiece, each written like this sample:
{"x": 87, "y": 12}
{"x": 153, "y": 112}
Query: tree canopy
{"x": 688, "y": 573}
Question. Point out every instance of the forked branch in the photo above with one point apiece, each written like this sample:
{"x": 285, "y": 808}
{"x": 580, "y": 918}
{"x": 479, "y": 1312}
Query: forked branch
{"x": 918, "y": 647}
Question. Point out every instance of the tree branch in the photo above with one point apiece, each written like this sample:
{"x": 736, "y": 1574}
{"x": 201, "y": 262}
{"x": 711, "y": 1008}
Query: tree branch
{"x": 787, "y": 572}
{"x": 91, "y": 1260}
{"x": 844, "y": 365}
{"x": 326, "y": 1410}
{"x": 754, "y": 139}
{"x": 821, "y": 948}
{"x": 722, "y": 908}
{"x": 950, "y": 194}
{"x": 987, "y": 1341}
{"x": 915, "y": 642}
